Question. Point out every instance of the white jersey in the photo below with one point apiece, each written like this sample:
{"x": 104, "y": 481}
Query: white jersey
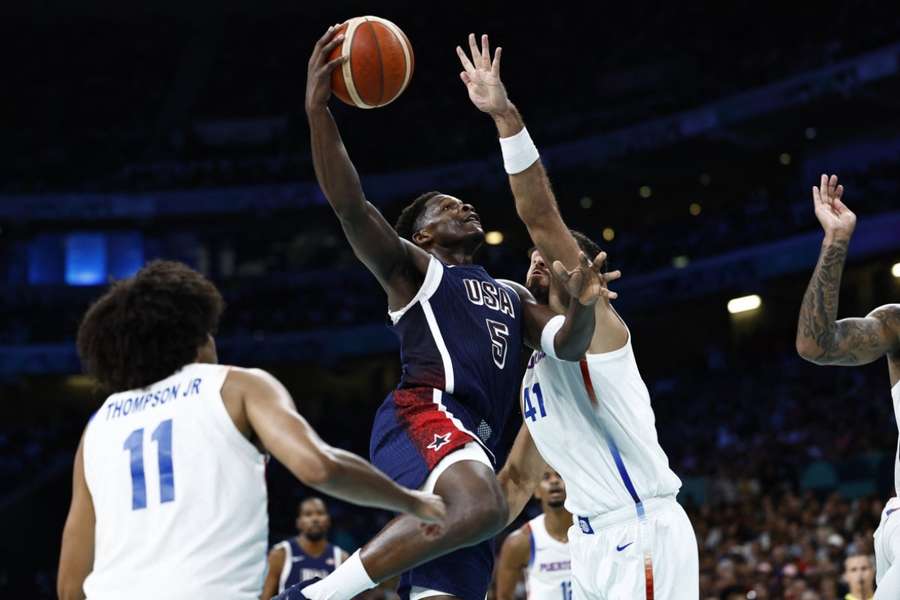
{"x": 895, "y": 395}
{"x": 549, "y": 573}
{"x": 179, "y": 494}
{"x": 606, "y": 451}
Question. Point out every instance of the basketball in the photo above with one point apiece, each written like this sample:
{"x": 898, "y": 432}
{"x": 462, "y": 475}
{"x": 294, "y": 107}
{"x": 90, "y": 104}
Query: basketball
{"x": 380, "y": 62}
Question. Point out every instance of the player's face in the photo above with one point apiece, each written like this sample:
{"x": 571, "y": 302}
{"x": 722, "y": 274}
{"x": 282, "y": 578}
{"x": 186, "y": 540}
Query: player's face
{"x": 552, "y": 489}
{"x": 313, "y": 521}
{"x": 450, "y": 222}
{"x": 538, "y": 278}
{"x": 858, "y": 571}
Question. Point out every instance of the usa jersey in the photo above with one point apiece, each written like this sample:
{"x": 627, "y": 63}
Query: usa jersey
{"x": 300, "y": 566}
{"x": 895, "y": 396}
{"x": 179, "y": 494}
{"x": 549, "y": 572}
{"x": 460, "y": 344}
{"x": 593, "y": 423}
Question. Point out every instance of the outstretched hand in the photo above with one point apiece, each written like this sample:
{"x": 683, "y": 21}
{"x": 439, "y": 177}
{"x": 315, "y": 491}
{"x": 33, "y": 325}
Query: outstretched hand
{"x": 482, "y": 77}
{"x": 837, "y": 220}
{"x": 587, "y": 282}
{"x": 318, "y": 73}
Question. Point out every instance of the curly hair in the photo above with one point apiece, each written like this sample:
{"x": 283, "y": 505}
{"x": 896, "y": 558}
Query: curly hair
{"x": 407, "y": 221}
{"x": 148, "y": 326}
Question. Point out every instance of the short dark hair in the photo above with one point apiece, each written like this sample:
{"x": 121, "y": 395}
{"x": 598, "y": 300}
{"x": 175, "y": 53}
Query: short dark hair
{"x": 407, "y": 222}
{"x": 585, "y": 244}
{"x": 310, "y": 499}
{"x": 148, "y": 326}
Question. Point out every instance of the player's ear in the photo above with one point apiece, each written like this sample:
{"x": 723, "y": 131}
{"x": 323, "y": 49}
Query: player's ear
{"x": 422, "y": 236}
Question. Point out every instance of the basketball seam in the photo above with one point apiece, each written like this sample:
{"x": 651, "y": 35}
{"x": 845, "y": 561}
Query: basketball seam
{"x": 380, "y": 60}
{"x": 347, "y": 68}
{"x": 407, "y": 53}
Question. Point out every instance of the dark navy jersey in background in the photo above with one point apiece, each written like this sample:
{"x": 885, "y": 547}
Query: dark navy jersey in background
{"x": 300, "y": 566}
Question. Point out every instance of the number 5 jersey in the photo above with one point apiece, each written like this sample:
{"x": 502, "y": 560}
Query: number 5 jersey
{"x": 179, "y": 494}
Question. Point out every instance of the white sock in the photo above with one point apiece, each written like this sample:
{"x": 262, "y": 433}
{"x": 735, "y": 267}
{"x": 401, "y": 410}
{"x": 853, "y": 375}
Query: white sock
{"x": 348, "y": 580}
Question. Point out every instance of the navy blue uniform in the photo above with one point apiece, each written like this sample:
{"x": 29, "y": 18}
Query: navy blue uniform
{"x": 460, "y": 345}
{"x": 300, "y": 566}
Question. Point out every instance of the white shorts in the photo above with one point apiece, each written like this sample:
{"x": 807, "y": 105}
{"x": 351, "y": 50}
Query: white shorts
{"x": 887, "y": 538}
{"x": 616, "y": 556}
{"x": 471, "y": 451}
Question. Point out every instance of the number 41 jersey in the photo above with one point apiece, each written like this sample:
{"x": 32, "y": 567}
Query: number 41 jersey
{"x": 179, "y": 494}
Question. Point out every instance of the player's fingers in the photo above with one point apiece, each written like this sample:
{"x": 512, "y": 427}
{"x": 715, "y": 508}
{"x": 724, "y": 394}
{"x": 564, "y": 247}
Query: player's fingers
{"x": 495, "y": 66}
{"x": 597, "y": 264}
{"x": 576, "y": 282}
{"x": 610, "y": 294}
{"x": 612, "y": 275}
{"x": 465, "y": 77}
{"x": 485, "y": 52}
{"x": 333, "y": 64}
{"x": 325, "y": 37}
{"x": 560, "y": 271}
{"x": 473, "y": 48}
{"x": 839, "y": 192}
{"x": 832, "y": 184}
{"x": 466, "y": 63}
{"x": 817, "y": 198}
{"x": 823, "y": 188}
{"x": 332, "y": 44}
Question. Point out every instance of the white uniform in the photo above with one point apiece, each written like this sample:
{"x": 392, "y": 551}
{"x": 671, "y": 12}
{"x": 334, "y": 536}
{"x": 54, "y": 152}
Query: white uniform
{"x": 887, "y": 536}
{"x": 179, "y": 494}
{"x": 549, "y": 572}
{"x": 593, "y": 423}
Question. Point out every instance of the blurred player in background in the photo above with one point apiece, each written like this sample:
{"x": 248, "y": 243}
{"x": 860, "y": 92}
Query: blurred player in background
{"x": 305, "y": 556}
{"x": 169, "y": 492}
{"x": 859, "y": 577}
{"x": 592, "y": 421}
{"x": 825, "y": 340}
{"x": 539, "y": 550}
{"x": 461, "y": 332}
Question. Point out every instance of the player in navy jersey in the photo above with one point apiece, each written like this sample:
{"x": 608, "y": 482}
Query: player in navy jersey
{"x": 460, "y": 332}
{"x": 305, "y": 556}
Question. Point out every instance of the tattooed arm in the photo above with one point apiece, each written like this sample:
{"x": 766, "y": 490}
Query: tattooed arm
{"x": 821, "y": 338}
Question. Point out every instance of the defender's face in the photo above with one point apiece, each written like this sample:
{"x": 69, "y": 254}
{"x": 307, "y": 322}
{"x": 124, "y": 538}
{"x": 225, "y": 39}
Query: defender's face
{"x": 313, "y": 520}
{"x": 538, "y": 278}
{"x": 450, "y": 221}
{"x": 552, "y": 489}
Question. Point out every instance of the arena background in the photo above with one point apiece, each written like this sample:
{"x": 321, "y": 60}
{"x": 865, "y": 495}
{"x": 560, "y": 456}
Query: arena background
{"x": 684, "y": 139}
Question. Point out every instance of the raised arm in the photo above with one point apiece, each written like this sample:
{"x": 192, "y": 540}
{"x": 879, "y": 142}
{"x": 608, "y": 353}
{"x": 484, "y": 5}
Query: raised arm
{"x": 535, "y": 202}
{"x": 821, "y": 338}
{"x": 373, "y": 240}
{"x": 514, "y": 555}
{"x": 271, "y": 415}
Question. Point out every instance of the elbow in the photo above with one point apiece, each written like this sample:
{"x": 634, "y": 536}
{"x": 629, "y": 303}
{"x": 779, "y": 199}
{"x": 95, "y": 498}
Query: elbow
{"x": 568, "y": 354}
{"x": 808, "y": 350}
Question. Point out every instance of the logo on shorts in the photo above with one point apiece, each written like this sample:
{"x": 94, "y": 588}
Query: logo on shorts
{"x": 440, "y": 441}
{"x": 620, "y": 548}
{"x": 585, "y": 525}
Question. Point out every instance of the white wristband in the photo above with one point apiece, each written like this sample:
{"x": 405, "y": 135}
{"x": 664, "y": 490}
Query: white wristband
{"x": 549, "y": 334}
{"x": 519, "y": 152}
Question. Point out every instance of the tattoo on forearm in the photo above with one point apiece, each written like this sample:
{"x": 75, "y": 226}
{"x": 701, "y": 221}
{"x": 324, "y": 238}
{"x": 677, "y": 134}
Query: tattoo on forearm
{"x": 847, "y": 342}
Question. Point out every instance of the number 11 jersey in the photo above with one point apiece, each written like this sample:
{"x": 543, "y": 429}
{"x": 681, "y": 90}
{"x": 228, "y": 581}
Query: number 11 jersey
{"x": 179, "y": 494}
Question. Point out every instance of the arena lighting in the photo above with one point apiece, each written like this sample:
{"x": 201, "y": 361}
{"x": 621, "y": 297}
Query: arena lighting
{"x": 609, "y": 234}
{"x": 744, "y": 304}
{"x": 895, "y": 270}
{"x": 493, "y": 238}
{"x": 645, "y": 191}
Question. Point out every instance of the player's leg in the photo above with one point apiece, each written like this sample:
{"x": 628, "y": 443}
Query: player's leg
{"x": 676, "y": 565}
{"x": 476, "y": 511}
{"x": 587, "y": 570}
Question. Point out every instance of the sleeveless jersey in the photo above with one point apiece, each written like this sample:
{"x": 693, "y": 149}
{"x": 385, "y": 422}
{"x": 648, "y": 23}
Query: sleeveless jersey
{"x": 549, "y": 573}
{"x": 300, "y": 566}
{"x": 462, "y": 334}
{"x": 895, "y": 396}
{"x": 593, "y": 423}
{"x": 179, "y": 494}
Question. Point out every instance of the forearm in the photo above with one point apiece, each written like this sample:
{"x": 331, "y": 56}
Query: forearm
{"x": 352, "y": 479}
{"x": 574, "y": 338}
{"x": 817, "y": 325}
{"x": 334, "y": 170}
{"x": 517, "y": 493}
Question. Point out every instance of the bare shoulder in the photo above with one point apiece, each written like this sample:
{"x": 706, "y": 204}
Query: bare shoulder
{"x": 888, "y": 315}
{"x": 520, "y": 289}
{"x": 519, "y": 541}
{"x": 241, "y": 379}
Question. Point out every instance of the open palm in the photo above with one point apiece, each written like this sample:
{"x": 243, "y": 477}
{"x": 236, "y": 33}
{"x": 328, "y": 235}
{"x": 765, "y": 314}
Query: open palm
{"x": 482, "y": 76}
{"x": 832, "y": 213}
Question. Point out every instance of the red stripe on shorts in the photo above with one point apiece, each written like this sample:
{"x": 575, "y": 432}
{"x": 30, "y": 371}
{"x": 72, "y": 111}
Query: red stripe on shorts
{"x": 432, "y": 431}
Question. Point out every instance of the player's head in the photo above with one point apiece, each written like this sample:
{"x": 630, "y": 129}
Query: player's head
{"x": 538, "y": 280}
{"x": 551, "y": 491}
{"x": 859, "y": 574}
{"x": 146, "y": 327}
{"x": 313, "y": 520}
{"x": 438, "y": 220}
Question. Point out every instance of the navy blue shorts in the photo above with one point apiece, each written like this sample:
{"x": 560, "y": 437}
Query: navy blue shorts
{"x": 411, "y": 434}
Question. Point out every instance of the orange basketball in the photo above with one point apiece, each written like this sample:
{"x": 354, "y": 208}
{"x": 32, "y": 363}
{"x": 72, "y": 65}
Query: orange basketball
{"x": 380, "y": 65}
